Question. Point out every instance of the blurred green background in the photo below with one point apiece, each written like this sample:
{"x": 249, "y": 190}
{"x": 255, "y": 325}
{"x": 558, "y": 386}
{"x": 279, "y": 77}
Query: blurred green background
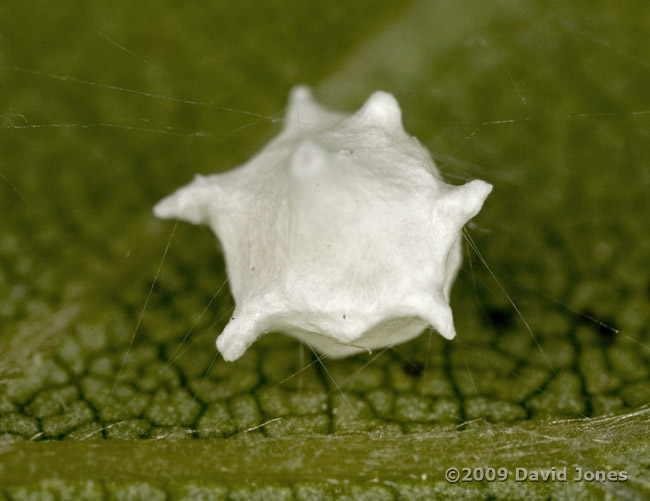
{"x": 104, "y": 109}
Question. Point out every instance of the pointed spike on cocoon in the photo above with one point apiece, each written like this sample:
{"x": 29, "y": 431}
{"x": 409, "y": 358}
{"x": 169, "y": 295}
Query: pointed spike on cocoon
{"x": 188, "y": 203}
{"x": 303, "y": 112}
{"x": 466, "y": 201}
{"x": 309, "y": 159}
{"x": 169, "y": 207}
{"x": 300, "y": 95}
{"x": 441, "y": 319}
{"x": 382, "y": 110}
{"x": 238, "y": 335}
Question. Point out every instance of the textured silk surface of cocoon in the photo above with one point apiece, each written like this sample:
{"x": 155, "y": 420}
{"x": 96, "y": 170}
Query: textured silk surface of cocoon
{"x": 339, "y": 232}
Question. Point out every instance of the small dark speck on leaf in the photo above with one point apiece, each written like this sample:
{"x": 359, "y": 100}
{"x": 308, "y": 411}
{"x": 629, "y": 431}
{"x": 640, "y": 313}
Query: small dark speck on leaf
{"x": 413, "y": 369}
{"x": 500, "y": 317}
{"x": 603, "y": 328}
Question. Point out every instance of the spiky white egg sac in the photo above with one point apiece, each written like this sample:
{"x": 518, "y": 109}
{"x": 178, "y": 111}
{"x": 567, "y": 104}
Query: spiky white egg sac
{"x": 340, "y": 232}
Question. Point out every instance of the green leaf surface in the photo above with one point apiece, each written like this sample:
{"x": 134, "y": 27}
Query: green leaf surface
{"x": 110, "y": 383}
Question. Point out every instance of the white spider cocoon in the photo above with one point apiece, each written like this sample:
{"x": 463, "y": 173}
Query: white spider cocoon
{"x": 339, "y": 232}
